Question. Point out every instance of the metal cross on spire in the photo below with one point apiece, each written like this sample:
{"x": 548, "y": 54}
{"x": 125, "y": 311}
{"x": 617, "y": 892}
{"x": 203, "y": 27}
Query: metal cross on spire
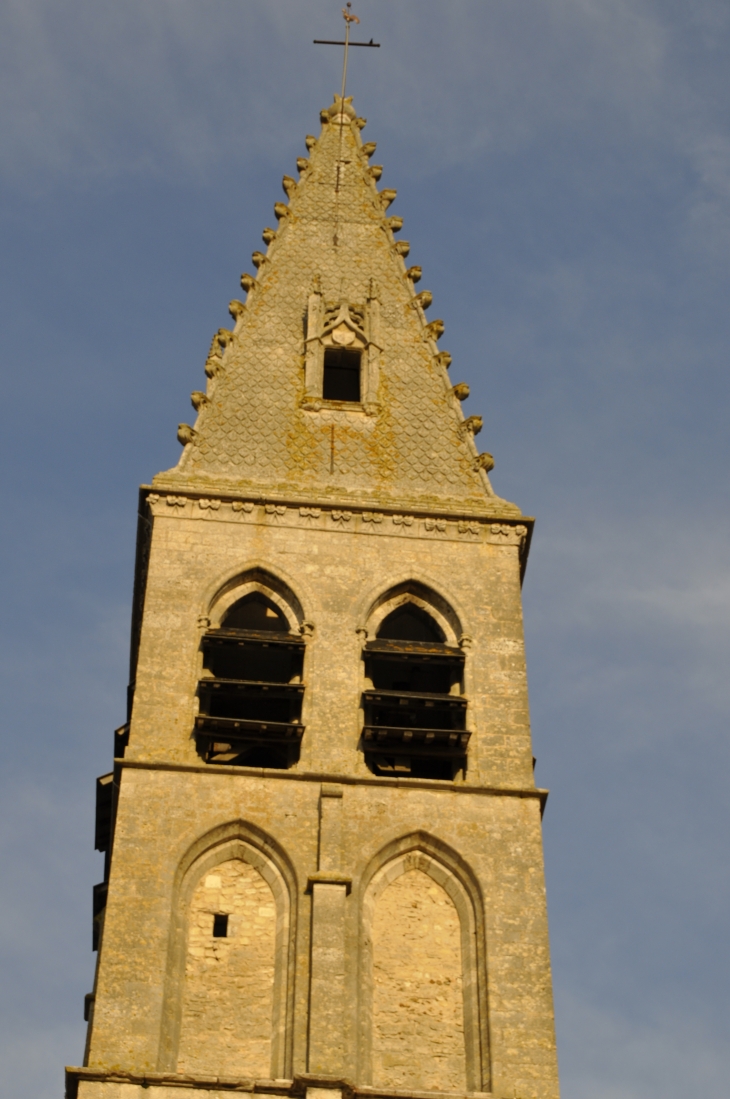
{"x": 349, "y": 18}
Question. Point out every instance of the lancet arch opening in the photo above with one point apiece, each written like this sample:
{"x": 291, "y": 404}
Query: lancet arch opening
{"x": 251, "y": 686}
{"x": 423, "y": 1017}
{"x": 413, "y": 703}
{"x": 230, "y": 978}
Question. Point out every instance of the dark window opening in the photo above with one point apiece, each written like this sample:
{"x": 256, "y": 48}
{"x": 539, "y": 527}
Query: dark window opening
{"x": 255, "y": 612}
{"x": 341, "y": 375}
{"x": 410, "y": 623}
{"x": 220, "y": 925}
{"x": 415, "y": 713}
{"x": 251, "y": 692}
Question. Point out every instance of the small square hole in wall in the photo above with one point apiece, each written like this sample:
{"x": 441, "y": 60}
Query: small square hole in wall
{"x": 220, "y": 926}
{"x": 341, "y": 374}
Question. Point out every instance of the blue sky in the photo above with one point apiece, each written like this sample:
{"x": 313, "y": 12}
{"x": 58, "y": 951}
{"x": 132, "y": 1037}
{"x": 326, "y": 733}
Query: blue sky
{"x": 563, "y": 169}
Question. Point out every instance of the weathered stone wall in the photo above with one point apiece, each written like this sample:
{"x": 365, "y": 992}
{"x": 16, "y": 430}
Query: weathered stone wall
{"x": 418, "y": 1010}
{"x": 229, "y": 982}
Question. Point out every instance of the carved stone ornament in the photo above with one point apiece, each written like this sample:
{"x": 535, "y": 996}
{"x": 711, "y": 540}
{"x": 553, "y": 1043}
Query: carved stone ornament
{"x": 302, "y": 164}
{"x": 395, "y": 224}
{"x": 424, "y": 299}
{"x": 236, "y": 308}
{"x": 306, "y": 629}
{"x": 361, "y": 123}
{"x": 310, "y": 513}
{"x": 224, "y": 336}
{"x": 242, "y": 505}
{"x": 275, "y": 511}
{"x": 372, "y": 517}
{"x": 247, "y": 282}
{"x": 186, "y": 434}
{"x": 402, "y": 248}
{"x": 310, "y": 141}
{"x": 435, "y": 329}
{"x": 198, "y": 400}
{"x": 281, "y": 210}
{"x": 369, "y": 148}
{"x": 444, "y": 359}
{"x": 341, "y": 516}
{"x": 403, "y": 520}
{"x": 174, "y": 501}
{"x": 461, "y": 391}
{"x": 484, "y": 461}
{"x": 473, "y": 424}
{"x": 289, "y": 185}
{"x": 387, "y": 195}
{"x": 467, "y": 527}
{"x": 209, "y": 505}
{"x": 258, "y": 259}
{"x": 375, "y": 171}
{"x": 268, "y": 235}
{"x": 344, "y": 327}
{"x": 414, "y": 274}
{"x": 435, "y": 524}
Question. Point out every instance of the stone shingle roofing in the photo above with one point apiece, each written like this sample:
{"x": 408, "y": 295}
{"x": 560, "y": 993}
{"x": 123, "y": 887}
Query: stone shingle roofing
{"x": 259, "y": 430}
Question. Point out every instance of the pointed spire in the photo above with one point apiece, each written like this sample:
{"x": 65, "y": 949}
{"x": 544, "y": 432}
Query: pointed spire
{"x": 333, "y": 281}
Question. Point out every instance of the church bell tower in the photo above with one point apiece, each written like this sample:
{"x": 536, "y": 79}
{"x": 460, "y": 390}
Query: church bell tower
{"x": 324, "y": 869}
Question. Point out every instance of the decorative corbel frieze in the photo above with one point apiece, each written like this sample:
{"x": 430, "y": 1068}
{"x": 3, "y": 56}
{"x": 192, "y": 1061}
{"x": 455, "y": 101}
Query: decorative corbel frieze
{"x": 403, "y": 520}
{"x": 209, "y": 505}
{"x": 341, "y": 516}
{"x": 465, "y": 526}
{"x": 174, "y": 501}
{"x": 435, "y": 524}
{"x": 310, "y": 513}
{"x": 505, "y": 534}
{"x": 245, "y": 506}
{"x": 274, "y": 511}
{"x": 372, "y": 517}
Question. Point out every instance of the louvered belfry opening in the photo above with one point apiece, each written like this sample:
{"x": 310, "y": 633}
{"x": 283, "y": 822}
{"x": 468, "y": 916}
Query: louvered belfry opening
{"x": 251, "y": 691}
{"x": 415, "y": 713}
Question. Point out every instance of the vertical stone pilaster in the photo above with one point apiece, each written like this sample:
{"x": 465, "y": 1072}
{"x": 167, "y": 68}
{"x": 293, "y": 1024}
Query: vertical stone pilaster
{"x": 327, "y": 1001}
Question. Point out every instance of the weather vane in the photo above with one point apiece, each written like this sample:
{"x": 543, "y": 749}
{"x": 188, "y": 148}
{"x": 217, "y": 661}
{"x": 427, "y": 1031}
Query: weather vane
{"x": 349, "y": 18}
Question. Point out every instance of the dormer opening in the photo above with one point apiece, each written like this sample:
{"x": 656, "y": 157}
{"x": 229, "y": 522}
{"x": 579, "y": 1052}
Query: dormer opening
{"x": 341, "y": 374}
{"x": 415, "y": 712}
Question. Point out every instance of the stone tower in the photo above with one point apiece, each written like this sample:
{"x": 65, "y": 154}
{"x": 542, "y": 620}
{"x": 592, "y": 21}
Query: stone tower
{"x": 324, "y": 867}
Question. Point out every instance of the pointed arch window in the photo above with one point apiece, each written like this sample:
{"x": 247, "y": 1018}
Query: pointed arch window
{"x": 251, "y": 691}
{"x": 415, "y": 713}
